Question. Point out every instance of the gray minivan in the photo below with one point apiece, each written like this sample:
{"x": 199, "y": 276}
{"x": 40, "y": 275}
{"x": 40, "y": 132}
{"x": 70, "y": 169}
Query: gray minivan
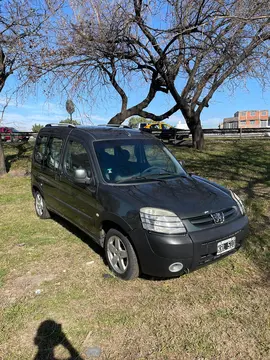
{"x": 126, "y": 190}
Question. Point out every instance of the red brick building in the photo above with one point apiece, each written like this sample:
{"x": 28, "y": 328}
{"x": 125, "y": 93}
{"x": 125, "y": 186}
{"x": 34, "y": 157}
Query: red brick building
{"x": 248, "y": 119}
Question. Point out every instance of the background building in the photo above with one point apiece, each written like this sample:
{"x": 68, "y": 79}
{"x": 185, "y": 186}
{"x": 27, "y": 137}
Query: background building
{"x": 247, "y": 119}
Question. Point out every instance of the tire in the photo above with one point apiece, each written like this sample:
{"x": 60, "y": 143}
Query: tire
{"x": 120, "y": 255}
{"x": 40, "y": 206}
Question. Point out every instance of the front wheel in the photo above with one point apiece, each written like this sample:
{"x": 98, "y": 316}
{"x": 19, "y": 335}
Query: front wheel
{"x": 120, "y": 255}
{"x": 40, "y": 206}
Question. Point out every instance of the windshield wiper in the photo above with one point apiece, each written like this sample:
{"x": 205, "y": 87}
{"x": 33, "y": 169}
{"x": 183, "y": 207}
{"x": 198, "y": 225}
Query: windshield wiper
{"x": 153, "y": 177}
{"x": 149, "y": 178}
{"x": 168, "y": 173}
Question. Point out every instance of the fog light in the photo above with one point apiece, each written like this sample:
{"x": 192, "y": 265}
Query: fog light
{"x": 175, "y": 267}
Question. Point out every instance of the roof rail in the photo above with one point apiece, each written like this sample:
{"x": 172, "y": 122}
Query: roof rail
{"x": 67, "y": 125}
{"x": 116, "y": 125}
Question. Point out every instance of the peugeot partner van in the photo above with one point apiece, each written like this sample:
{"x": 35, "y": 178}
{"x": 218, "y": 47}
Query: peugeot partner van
{"x": 126, "y": 190}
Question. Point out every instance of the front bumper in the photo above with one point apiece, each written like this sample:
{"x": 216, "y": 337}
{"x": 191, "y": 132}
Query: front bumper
{"x": 156, "y": 252}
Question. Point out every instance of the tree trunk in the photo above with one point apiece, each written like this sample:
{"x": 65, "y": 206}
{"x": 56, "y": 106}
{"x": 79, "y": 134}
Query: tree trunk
{"x": 192, "y": 118}
{"x": 2, "y": 159}
{"x": 197, "y": 137}
{"x": 195, "y": 127}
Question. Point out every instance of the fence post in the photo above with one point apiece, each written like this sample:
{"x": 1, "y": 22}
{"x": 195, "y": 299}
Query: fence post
{"x": 240, "y": 133}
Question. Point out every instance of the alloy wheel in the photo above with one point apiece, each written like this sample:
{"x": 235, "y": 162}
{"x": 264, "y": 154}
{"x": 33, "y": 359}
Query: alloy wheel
{"x": 39, "y": 204}
{"x": 117, "y": 254}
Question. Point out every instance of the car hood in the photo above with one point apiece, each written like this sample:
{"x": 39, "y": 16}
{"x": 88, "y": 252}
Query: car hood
{"x": 186, "y": 196}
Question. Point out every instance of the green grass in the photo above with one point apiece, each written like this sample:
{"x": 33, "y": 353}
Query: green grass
{"x": 3, "y": 273}
{"x": 218, "y": 312}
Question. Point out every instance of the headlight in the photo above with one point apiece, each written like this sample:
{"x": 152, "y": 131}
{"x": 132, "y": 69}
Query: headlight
{"x": 161, "y": 221}
{"x": 239, "y": 203}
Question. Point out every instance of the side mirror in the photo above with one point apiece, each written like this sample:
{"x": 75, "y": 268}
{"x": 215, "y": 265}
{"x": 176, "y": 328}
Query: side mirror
{"x": 182, "y": 162}
{"x": 80, "y": 177}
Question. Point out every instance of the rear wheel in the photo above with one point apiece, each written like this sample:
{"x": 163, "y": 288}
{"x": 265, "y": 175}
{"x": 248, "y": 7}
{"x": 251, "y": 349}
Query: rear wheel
{"x": 40, "y": 206}
{"x": 120, "y": 255}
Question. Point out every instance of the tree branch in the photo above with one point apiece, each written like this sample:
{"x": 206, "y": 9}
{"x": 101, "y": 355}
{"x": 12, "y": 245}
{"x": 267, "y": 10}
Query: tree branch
{"x": 161, "y": 117}
{"x": 245, "y": 53}
{"x": 112, "y": 77}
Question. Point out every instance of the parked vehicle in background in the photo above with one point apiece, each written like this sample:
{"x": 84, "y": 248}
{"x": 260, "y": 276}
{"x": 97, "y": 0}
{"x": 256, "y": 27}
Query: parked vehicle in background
{"x": 141, "y": 126}
{"x": 5, "y": 133}
{"x": 129, "y": 193}
{"x": 166, "y": 132}
{"x": 157, "y": 126}
{"x": 17, "y": 135}
{"x": 11, "y": 134}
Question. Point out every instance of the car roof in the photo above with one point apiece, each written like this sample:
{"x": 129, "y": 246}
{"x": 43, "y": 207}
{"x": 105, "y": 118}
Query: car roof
{"x": 107, "y": 132}
{"x": 100, "y": 132}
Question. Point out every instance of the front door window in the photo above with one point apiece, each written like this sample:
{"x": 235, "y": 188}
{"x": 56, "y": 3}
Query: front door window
{"x": 76, "y": 158}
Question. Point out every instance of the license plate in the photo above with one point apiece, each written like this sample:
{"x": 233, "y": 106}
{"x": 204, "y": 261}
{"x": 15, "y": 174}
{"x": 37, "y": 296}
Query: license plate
{"x": 225, "y": 245}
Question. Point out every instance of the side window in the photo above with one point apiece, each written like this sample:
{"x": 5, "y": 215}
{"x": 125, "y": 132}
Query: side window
{"x": 76, "y": 157}
{"x": 54, "y": 153}
{"x": 40, "y": 149}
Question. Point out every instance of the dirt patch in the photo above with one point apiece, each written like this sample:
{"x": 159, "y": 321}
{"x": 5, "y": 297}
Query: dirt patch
{"x": 18, "y": 173}
{"x": 19, "y": 287}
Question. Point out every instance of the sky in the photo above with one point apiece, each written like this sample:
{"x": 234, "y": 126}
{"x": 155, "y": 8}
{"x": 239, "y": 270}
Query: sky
{"x": 23, "y": 113}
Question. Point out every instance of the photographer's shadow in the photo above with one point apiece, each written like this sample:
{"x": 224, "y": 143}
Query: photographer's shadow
{"x": 50, "y": 335}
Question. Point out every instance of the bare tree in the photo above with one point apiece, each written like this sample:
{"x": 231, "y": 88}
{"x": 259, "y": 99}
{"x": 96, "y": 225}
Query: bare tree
{"x": 23, "y": 29}
{"x": 185, "y": 49}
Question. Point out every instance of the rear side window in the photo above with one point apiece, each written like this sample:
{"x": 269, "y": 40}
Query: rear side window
{"x": 76, "y": 158}
{"x": 40, "y": 149}
{"x": 53, "y": 153}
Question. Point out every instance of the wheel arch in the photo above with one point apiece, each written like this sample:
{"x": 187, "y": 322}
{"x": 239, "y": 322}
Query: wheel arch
{"x": 117, "y": 224}
{"x": 122, "y": 227}
{"x": 36, "y": 188}
{"x": 109, "y": 220}
{"x": 109, "y": 224}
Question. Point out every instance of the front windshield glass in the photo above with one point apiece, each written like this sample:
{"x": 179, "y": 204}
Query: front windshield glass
{"x": 136, "y": 160}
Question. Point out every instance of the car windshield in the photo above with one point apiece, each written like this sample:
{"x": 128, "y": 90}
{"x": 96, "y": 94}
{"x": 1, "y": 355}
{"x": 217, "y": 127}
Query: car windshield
{"x": 136, "y": 160}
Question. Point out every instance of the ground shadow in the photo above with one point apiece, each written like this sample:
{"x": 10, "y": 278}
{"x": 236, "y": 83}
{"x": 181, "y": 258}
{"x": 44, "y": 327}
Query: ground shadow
{"x": 80, "y": 234}
{"x": 93, "y": 245}
{"x": 22, "y": 150}
{"x": 50, "y": 335}
{"x": 181, "y": 143}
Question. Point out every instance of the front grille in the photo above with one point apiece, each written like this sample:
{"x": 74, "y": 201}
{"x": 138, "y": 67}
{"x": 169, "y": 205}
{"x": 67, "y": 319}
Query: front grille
{"x": 207, "y": 220}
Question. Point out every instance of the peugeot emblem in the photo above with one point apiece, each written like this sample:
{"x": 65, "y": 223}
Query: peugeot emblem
{"x": 218, "y": 218}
